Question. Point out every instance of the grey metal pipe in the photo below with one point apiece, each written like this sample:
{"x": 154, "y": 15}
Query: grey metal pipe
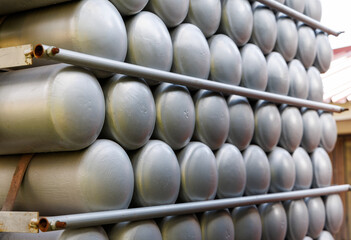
{"x": 133, "y": 214}
{"x": 81, "y": 59}
{"x": 298, "y": 16}
{"x": 12, "y": 6}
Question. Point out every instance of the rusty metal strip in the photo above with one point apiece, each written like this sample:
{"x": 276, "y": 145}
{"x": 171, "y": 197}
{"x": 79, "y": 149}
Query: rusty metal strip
{"x": 20, "y": 222}
{"x": 16, "y": 182}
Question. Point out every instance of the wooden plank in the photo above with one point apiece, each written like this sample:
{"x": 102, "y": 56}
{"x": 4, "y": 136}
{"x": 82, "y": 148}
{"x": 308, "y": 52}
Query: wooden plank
{"x": 25, "y": 222}
{"x": 16, "y": 56}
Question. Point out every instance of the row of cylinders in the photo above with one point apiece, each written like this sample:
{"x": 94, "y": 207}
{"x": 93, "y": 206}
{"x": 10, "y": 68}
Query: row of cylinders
{"x": 309, "y": 218}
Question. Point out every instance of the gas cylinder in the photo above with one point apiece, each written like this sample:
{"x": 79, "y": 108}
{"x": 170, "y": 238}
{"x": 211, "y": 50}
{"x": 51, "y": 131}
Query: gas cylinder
{"x": 292, "y": 128}
{"x": 297, "y": 215}
{"x": 254, "y": 68}
{"x": 324, "y": 53}
{"x": 91, "y": 233}
{"x": 247, "y": 223}
{"x": 287, "y": 38}
{"x": 241, "y": 127}
{"x": 226, "y": 61}
{"x": 329, "y": 132}
{"x": 217, "y": 225}
{"x": 307, "y": 238}
{"x": 97, "y": 178}
{"x": 258, "y": 174}
{"x": 191, "y": 53}
{"x": 315, "y": 90}
{"x": 267, "y": 125}
{"x": 322, "y": 168}
{"x": 298, "y": 5}
{"x": 316, "y": 213}
{"x": 139, "y": 230}
{"x": 334, "y": 213}
{"x": 130, "y": 111}
{"x": 212, "y": 118}
{"x": 304, "y": 169}
{"x": 231, "y": 172}
{"x": 175, "y": 115}
{"x": 313, "y": 9}
{"x": 237, "y": 20}
{"x": 264, "y": 32}
{"x": 183, "y": 227}
{"x": 311, "y": 130}
{"x": 129, "y": 7}
{"x": 156, "y": 175}
{"x": 206, "y": 15}
{"x": 171, "y": 12}
{"x": 298, "y": 80}
{"x": 283, "y": 172}
{"x": 325, "y": 235}
{"x": 306, "y": 48}
{"x": 278, "y": 74}
{"x": 50, "y": 108}
{"x": 149, "y": 42}
{"x": 274, "y": 221}
{"x": 199, "y": 174}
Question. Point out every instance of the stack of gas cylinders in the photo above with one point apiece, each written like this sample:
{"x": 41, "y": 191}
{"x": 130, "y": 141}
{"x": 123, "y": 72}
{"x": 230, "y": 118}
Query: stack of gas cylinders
{"x": 105, "y": 141}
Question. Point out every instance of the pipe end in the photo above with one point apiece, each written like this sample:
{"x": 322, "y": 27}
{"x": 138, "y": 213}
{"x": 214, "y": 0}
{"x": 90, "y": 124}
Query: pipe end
{"x": 38, "y": 51}
{"x": 44, "y": 224}
{"x": 344, "y": 109}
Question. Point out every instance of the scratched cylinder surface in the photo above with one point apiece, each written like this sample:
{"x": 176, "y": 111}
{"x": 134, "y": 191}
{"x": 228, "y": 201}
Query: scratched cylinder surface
{"x": 130, "y": 111}
{"x": 329, "y": 132}
{"x": 324, "y": 54}
{"x": 274, "y": 221}
{"x": 129, "y": 7}
{"x": 175, "y": 115}
{"x": 212, "y": 118}
{"x": 316, "y": 213}
{"x": 247, "y": 223}
{"x": 183, "y": 227}
{"x": 311, "y": 130}
{"x": 325, "y": 235}
{"x": 82, "y": 183}
{"x": 278, "y": 74}
{"x": 139, "y": 230}
{"x": 313, "y": 9}
{"x": 287, "y": 38}
{"x": 49, "y": 108}
{"x": 322, "y": 168}
{"x": 297, "y": 215}
{"x": 299, "y": 86}
{"x": 298, "y": 5}
{"x": 226, "y": 61}
{"x": 91, "y": 233}
{"x": 315, "y": 90}
{"x": 217, "y": 225}
{"x": 334, "y": 210}
{"x": 304, "y": 169}
{"x": 292, "y": 128}
{"x": 306, "y": 50}
{"x": 199, "y": 174}
{"x": 156, "y": 175}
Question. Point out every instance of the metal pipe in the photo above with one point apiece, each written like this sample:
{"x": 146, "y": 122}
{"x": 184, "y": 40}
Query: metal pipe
{"x": 298, "y": 16}
{"x": 84, "y": 60}
{"x": 133, "y": 214}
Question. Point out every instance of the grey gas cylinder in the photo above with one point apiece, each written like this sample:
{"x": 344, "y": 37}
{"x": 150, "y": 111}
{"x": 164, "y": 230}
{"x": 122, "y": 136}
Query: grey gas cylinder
{"x": 212, "y": 118}
{"x": 175, "y": 115}
{"x": 299, "y": 86}
{"x": 325, "y": 235}
{"x": 97, "y": 178}
{"x": 292, "y": 128}
{"x": 183, "y": 227}
{"x": 313, "y": 9}
{"x": 254, "y": 68}
{"x": 307, "y": 238}
{"x": 267, "y": 125}
{"x": 206, "y": 15}
{"x": 53, "y": 235}
{"x": 247, "y": 223}
{"x": 298, "y": 5}
{"x": 306, "y": 50}
{"x": 258, "y": 174}
{"x": 130, "y": 111}
{"x": 282, "y": 170}
{"x": 316, "y": 213}
{"x": 274, "y": 221}
{"x": 156, "y": 175}
{"x": 226, "y": 61}
{"x": 304, "y": 169}
{"x": 237, "y": 20}
{"x": 278, "y": 74}
{"x": 334, "y": 213}
{"x": 297, "y": 215}
{"x": 264, "y": 32}
{"x": 242, "y": 124}
{"x": 139, "y": 230}
{"x": 231, "y": 172}
{"x": 149, "y": 42}
{"x": 171, "y": 12}
{"x": 324, "y": 54}
{"x": 91, "y": 233}
{"x": 191, "y": 53}
{"x": 73, "y": 26}
{"x": 322, "y": 168}
{"x": 199, "y": 174}
{"x": 12, "y": 6}
{"x": 329, "y": 132}
{"x": 217, "y": 225}
{"x": 315, "y": 90}
{"x": 129, "y": 7}
{"x": 311, "y": 130}
{"x": 50, "y": 108}
{"x": 287, "y": 38}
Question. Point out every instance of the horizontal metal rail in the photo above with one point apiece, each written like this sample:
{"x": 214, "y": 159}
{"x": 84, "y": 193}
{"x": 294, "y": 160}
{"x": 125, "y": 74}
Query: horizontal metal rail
{"x": 299, "y": 16}
{"x": 93, "y": 62}
{"x": 133, "y": 214}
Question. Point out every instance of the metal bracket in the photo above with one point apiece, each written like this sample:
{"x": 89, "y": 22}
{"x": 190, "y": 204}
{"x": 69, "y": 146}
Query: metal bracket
{"x": 25, "y": 222}
{"x": 17, "y": 56}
